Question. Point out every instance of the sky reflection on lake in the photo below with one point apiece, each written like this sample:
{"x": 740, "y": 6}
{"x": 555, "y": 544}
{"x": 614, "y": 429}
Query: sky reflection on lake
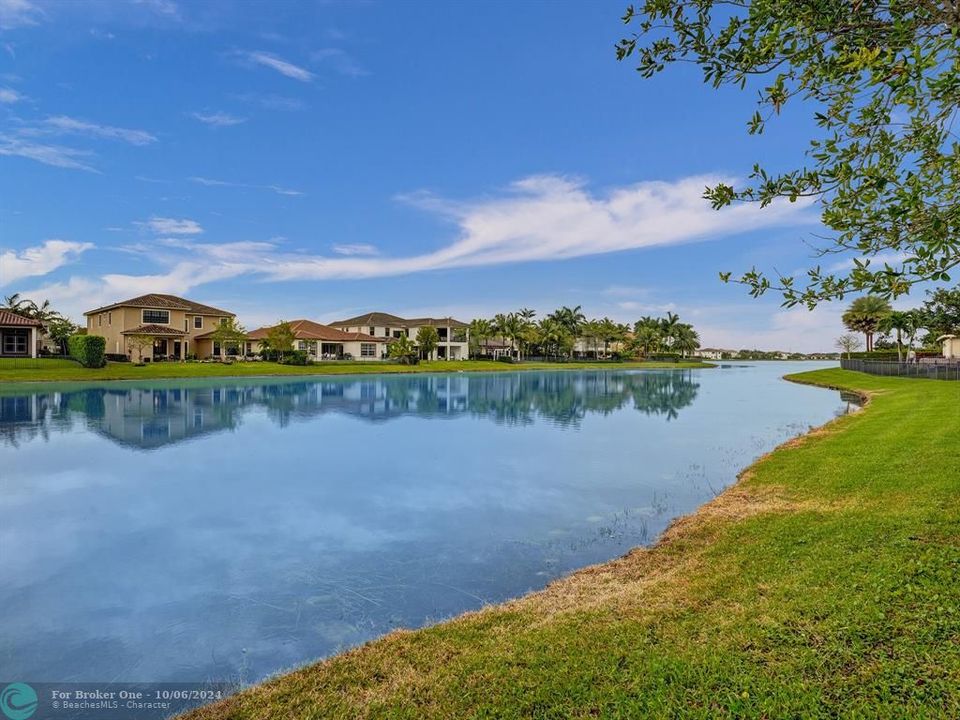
{"x": 227, "y": 529}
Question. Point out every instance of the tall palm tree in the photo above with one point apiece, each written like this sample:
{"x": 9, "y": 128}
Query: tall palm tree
{"x": 14, "y": 303}
{"x": 865, "y": 315}
{"x": 668, "y": 328}
{"x": 899, "y": 321}
{"x": 570, "y": 318}
{"x": 481, "y": 330}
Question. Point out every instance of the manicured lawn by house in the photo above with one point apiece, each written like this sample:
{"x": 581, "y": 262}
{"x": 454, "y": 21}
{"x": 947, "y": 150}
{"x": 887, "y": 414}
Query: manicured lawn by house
{"x": 49, "y": 370}
{"x": 826, "y": 583}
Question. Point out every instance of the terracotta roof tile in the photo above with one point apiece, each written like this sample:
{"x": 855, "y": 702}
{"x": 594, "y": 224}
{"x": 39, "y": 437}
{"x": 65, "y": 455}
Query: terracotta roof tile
{"x": 159, "y": 330}
{"x": 166, "y": 302}
{"x": 11, "y": 318}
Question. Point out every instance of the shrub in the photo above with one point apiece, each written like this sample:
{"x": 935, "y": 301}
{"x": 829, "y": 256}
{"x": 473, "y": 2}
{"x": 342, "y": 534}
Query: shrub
{"x": 664, "y": 357}
{"x": 115, "y": 357}
{"x": 875, "y": 355}
{"x": 88, "y": 350}
{"x": 295, "y": 357}
{"x": 506, "y": 359}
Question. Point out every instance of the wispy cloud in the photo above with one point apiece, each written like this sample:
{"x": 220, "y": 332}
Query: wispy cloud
{"x": 282, "y": 66}
{"x": 38, "y": 260}
{"x": 18, "y": 13}
{"x": 270, "y": 101}
{"x": 218, "y": 119}
{"x": 210, "y": 182}
{"x": 340, "y": 60}
{"x": 64, "y": 124}
{"x": 542, "y": 218}
{"x": 164, "y": 8}
{"x": 172, "y": 226}
{"x": 9, "y": 96}
{"x": 56, "y": 155}
{"x": 355, "y": 249}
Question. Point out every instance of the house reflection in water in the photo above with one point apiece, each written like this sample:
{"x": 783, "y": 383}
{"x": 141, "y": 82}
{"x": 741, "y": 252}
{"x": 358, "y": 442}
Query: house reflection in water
{"x": 149, "y": 416}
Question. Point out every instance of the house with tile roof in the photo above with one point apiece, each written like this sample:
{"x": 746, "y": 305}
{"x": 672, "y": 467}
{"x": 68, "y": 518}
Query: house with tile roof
{"x": 180, "y": 328}
{"x": 322, "y": 342}
{"x": 454, "y": 335}
{"x": 19, "y": 336}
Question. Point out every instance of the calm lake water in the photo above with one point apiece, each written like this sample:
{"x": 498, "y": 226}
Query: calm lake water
{"x": 223, "y": 530}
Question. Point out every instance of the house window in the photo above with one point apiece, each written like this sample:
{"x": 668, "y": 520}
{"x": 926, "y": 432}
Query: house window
{"x": 109, "y": 318}
{"x": 372, "y": 330}
{"x": 303, "y": 345}
{"x": 15, "y": 342}
{"x": 216, "y": 348}
{"x": 156, "y": 317}
{"x": 368, "y": 349}
{"x": 198, "y": 322}
{"x": 100, "y": 320}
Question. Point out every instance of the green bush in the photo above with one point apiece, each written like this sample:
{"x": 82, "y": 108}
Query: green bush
{"x": 875, "y": 355}
{"x": 664, "y": 357}
{"x": 506, "y": 359}
{"x": 295, "y": 357}
{"x": 88, "y": 350}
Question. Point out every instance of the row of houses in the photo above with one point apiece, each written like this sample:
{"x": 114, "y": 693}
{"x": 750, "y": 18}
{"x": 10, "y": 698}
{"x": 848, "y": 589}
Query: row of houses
{"x": 182, "y": 328}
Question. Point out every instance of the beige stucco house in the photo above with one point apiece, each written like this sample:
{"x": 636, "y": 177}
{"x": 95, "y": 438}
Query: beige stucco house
{"x": 322, "y": 342}
{"x": 454, "y": 335}
{"x": 951, "y": 346}
{"x": 180, "y": 328}
{"x": 19, "y": 336}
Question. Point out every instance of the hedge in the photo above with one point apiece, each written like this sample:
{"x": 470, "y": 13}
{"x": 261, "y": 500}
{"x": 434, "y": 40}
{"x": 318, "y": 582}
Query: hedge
{"x": 88, "y": 350}
{"x": 875, "y": 355}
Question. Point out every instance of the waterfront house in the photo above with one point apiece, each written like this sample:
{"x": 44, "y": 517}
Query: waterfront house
{"x": 322, "y": 342}
{"x": 711, "y": 353}
{"x": 180, "y": 328}
{"x": 454, "y": 335}
{"x": 18, "y": 335}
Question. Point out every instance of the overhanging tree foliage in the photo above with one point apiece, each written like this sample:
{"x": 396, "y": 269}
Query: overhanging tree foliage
{"x": 883, "y": 81}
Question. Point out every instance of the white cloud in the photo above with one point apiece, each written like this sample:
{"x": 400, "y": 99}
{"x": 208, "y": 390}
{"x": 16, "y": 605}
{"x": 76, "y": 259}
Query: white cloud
{"x": 38, "y": 260}
{"x": 164, "y": 8}
{"x": 341, "y": 61}
{"x": 9, "y": 96}
{"x": 18, "y": 13}
{"x": 172, "y": 226}
{"x": 65, "y": 124}
{"x": 218, "y": 119}
{"x": 542, "y": 218}
{"x": 355, "y": 249}
{"x": 280, "y": 65}
{"x": 211, "y": 182}
{"x": 56, "y": 155}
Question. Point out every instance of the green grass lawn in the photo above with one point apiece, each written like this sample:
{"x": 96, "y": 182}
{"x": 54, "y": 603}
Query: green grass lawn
{"x": 61, "y": 370}
{"x": 825, "y": 584}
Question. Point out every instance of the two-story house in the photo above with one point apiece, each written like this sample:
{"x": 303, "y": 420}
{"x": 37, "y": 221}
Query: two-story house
{"x": 454, "y": 335}
{"x": 179, "y": 328}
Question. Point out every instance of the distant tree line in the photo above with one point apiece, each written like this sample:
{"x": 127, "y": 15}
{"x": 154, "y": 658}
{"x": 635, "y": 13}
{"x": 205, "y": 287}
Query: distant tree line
{"x": 567, "y": 332}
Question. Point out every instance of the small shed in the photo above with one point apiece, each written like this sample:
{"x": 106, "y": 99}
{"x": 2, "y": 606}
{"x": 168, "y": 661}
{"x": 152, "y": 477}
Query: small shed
{"x": 951, "y": 346}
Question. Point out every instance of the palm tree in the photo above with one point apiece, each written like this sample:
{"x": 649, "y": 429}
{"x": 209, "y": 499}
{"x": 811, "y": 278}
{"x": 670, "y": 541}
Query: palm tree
{"x": 899, "y": 321}
{"x": 480, "y": 331}
{"x": 609, "y": 332}
{"x": 646, "y": 337}
{"x": 403, "y": 350}
{"x": 14, "y": 303}
{"x": 570, "y": 318}
{"x": 865, "y": 315}
{"x": 668, "y": 328}
{"x": 686, "y": 339}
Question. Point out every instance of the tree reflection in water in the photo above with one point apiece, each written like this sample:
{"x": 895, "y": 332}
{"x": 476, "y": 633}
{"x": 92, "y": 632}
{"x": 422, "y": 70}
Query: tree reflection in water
{"x": 153, "y": 415}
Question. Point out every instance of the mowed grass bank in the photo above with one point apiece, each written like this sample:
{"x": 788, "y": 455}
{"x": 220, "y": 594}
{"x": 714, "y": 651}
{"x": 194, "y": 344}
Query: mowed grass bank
{"x": 825, "y": 583}
{"x": 67, "y": 370}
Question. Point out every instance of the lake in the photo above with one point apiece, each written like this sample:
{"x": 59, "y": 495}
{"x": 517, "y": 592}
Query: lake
{"x": 223, "y": 530}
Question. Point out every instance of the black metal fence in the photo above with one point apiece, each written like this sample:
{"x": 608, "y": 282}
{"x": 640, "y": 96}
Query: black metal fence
{"x": 931, "y": 369}
{"x": 42, "y": 362}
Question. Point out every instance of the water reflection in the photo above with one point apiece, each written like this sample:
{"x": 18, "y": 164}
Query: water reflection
{"x": 226, "y": 530}
{"x": 148, "y": 416}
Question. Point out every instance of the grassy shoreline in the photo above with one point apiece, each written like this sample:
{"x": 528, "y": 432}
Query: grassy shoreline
{"x": 825, "y": 582}
{"x": 66, "y": 370}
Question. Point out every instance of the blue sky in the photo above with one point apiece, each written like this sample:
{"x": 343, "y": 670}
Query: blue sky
{"x": 322, "y": 159}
